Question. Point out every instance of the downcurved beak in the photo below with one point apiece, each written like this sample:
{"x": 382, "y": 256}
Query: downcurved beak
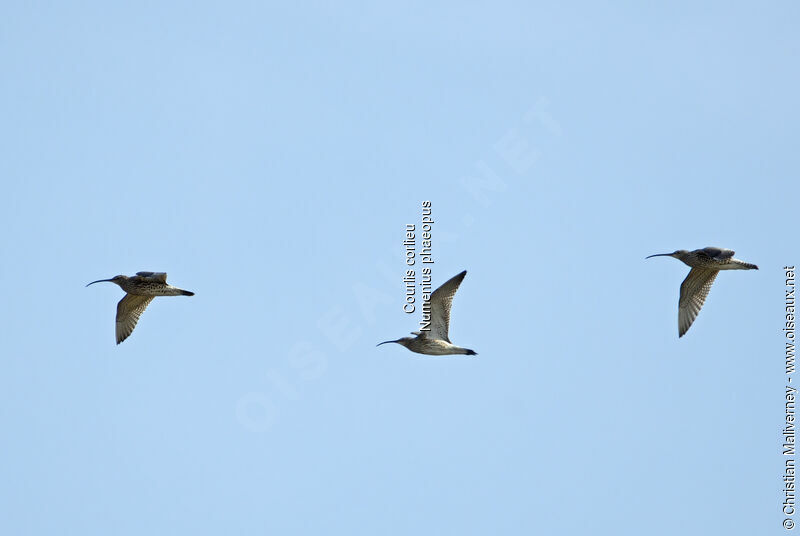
{"x": 99, "y": 281}
{"x": 660, "y": 255}
{"x": 384, "y": 342}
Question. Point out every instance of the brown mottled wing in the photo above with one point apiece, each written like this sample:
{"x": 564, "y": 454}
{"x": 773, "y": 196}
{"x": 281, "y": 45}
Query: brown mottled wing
{"x": 694, "y": 290}
{"x": 441, "y": 300}
{"x": 156, "y": 277}
{"x": 129, "y": 309}
{"x": 718, "y": 253}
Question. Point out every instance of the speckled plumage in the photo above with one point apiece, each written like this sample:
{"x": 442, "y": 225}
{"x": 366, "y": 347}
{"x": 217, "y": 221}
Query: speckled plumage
{"x": 140, "y": 291}
{"x": 437, "y": 340}
{"x": 706, "y": 263}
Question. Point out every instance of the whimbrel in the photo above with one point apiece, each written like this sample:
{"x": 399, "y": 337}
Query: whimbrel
{"x": 706, "y": 264}
{"x": 436, "y": 341}
{"x": 141, "y": 289}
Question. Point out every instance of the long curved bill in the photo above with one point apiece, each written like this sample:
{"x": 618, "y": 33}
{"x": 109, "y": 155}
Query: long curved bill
{"x": 98, "y": 281}
{"x": 659, "y": 255}
{"x": 384, "y": 342}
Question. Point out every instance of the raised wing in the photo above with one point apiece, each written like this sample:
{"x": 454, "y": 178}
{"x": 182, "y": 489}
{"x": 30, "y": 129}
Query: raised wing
{"x": 694, "y": 290}
{"x": 441, "y": 300}
{"x": 718, "y": 253}
{"x": 129, "y": 309}
{"x": 156, "y": 277}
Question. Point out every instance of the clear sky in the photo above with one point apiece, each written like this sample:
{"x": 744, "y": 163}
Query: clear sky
{"x": 269, "y": 157}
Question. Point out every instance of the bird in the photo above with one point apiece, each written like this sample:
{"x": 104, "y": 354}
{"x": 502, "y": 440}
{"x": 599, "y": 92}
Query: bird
{"x": 436, "y": 340}
{"x": 706, "y": 264}
{"x": 140, "y": 289}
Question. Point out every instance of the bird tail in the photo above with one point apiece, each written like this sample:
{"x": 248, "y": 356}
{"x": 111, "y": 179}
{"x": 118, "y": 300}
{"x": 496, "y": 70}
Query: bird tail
{"x": 467, "y": 351}
{"x": 186, "y": 293}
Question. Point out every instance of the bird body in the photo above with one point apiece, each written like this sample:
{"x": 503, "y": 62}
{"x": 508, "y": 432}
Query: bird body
{"x": 437, "y": 340}
{"x": 140, "y": 291}
{"x": 422, "y": 344}
{"x": 711, "y": 258}
{"x": 706, "y": 263}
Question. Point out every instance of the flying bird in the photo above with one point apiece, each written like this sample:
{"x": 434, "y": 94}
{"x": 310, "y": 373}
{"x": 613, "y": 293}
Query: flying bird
{"x": 706, "y": 264}
{"x": 141, "y": 289}
{"x": 436, "y": 341}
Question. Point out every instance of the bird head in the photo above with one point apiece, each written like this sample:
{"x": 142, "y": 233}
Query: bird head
{"x": 677, "y": 254}
{"x": 117, "y": 279}
{"x": 404, "y": 341}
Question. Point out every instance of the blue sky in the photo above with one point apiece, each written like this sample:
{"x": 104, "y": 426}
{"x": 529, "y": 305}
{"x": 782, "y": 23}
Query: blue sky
{"x": 269, "y": 157}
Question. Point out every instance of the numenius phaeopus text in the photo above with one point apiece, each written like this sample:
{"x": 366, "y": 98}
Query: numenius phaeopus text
{"x": 706, "y": 264}
{"x": 436, "y": 341}
{"x": 141, "y": 289}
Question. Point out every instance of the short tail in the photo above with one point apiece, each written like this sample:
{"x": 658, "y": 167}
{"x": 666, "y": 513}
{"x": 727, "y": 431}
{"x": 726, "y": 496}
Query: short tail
{"x": 748, "y": 266}
{"x": 186, "y": 293}
{"x": 467, "y": 351}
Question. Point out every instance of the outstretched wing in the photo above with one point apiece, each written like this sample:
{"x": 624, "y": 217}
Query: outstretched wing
{"x": 441, "y": 300}
{"x": 129, "y": 309}
{"x": 694, "y": 290}
{"x": 156, "y": 277}
{"x": 718, "y": 253}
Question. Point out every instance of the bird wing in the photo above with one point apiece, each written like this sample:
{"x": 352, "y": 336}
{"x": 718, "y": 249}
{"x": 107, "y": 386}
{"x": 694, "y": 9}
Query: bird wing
{"x": 718, "y": 253}
{"x": 129, "y": 309}
{"x": 694, "y": 290}
{"x": 441, "y": 300}
{"x": 156, "y": 277}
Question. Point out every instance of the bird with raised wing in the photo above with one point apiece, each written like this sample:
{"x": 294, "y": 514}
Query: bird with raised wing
{"x": 140, "y": 289}
{"x": 436, "y": 341}
{"x": 706, "y": 264}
